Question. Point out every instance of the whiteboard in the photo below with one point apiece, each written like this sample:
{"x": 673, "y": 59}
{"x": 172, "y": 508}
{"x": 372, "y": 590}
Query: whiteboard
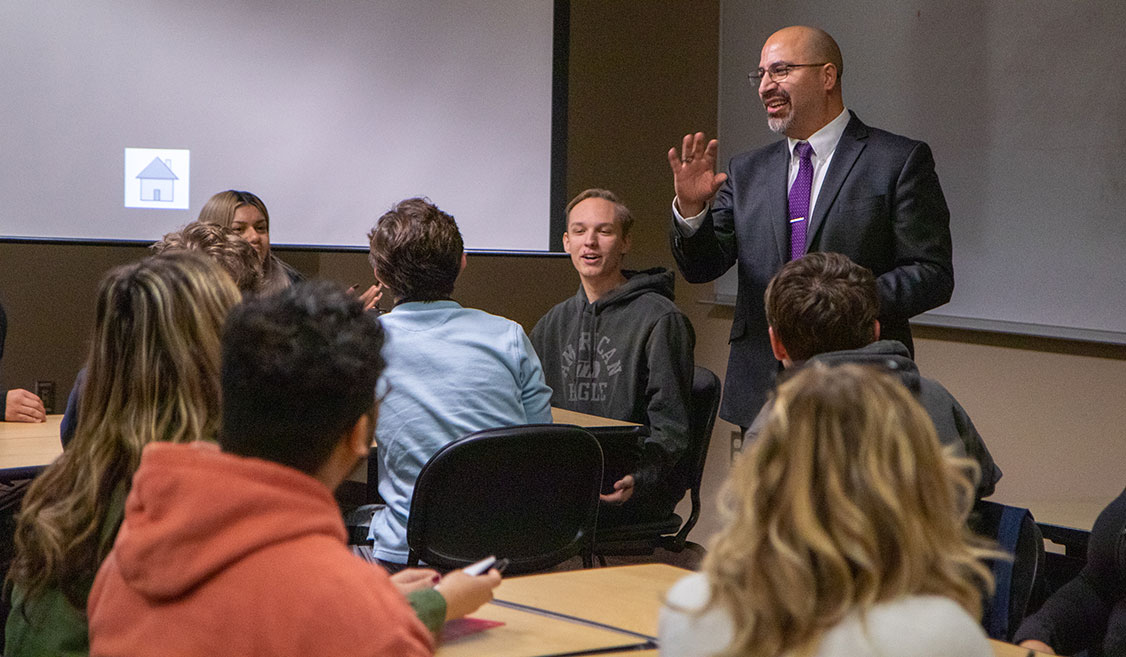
{"x": 1024, "y": 105}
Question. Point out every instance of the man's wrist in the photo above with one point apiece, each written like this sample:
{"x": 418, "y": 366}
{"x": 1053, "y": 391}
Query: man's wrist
{"x": 687, "y": 226}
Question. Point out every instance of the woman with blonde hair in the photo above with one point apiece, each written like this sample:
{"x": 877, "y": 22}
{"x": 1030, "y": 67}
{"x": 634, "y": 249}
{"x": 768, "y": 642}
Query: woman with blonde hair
{"x": 152, "y": 374}
{"x": 246, "y": 214}
{"x": 845, "y": 536}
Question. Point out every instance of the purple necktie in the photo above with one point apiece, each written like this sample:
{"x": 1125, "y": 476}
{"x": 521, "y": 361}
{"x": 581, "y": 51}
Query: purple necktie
{"x": 799, "y": 200}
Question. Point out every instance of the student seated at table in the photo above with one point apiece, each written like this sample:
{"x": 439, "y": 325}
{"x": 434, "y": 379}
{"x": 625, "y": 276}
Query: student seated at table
{"x": 221, "y": 245}
{"x": 1089, "y": 612}
{"x": 845, "y": 535}
{"x": 152, "y": 375}
{"x": 246, "y": 214}
{"x": 240, "y": 549}
{"x": 17, "y": 404}
{"x": 450, "y": 370}
{"x": 620, "y": 348}
{"x": 822, "y": 308}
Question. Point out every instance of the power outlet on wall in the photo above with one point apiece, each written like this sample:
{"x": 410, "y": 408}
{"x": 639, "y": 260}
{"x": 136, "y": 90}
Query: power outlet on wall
{"x": 736, "y": 444}
{"x": 45, "y": 390}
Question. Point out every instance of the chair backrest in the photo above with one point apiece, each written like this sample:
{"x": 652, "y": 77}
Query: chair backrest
{"x": 701, "y": 421}
{"x": 527, "y": 493}
{"x": 1016, "y": 532}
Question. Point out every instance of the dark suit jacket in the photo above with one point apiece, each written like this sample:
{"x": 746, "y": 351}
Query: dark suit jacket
{"x": 880, "y": 204}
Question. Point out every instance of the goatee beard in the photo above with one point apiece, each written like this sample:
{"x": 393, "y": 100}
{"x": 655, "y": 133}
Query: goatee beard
{"x": 779, "y": 125}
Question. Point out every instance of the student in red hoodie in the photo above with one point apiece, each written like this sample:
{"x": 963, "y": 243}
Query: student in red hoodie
{"x": 242, "y": 550}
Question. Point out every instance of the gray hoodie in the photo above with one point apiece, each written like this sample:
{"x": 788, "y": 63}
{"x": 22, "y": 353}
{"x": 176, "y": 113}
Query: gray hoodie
{"x": 951, "y": 422}
{"x": 627, "y": 356}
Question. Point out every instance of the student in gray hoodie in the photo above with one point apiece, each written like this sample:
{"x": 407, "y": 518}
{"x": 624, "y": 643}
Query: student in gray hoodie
{"x": 823, "y": 307}
{"x": 620, "y": 348}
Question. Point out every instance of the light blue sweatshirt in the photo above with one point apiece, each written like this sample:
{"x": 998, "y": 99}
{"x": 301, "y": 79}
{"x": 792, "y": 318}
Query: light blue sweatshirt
{"x": 450, "y": 371}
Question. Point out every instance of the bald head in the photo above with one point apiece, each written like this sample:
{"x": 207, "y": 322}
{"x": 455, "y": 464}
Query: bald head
{"x": 813, "y": 43}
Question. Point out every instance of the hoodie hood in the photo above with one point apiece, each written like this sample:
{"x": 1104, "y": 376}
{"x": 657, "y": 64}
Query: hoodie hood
{"x": 204, "y": 510}
{"x": 657, "y": 279}
{"x": 890, "y": 355}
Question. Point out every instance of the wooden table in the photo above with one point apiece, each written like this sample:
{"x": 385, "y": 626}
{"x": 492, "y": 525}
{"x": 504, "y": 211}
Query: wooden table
{"x": 1077, "y": 514}
{"x": 26, "y": 447}
{"x": 626, "y": 597}
{"x": 528, "y": 634}
{"x": 562, "y": 416}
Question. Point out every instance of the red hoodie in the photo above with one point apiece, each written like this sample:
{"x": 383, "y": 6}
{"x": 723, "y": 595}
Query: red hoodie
{"x": 221, "y": 554}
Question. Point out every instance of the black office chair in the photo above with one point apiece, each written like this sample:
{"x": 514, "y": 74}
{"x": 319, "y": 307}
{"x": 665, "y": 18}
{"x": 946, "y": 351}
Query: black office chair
{"x": 1016, "y": 532}
{"x": 527, "y": 493}
{"x": 671, "y": 532}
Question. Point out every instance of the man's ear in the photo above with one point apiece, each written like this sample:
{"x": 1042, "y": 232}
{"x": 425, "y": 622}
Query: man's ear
{"x": 876, "y": 331}
{"x": 831, "y": 78}
{"x": 566, "y": 241}
{"x": 778, "y": 348}
{"x": 360, "y": 437}
{"x": 464, "y": 262}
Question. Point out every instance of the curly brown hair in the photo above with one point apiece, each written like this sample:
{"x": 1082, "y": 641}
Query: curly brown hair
{"x": 416, "y": 251}
{"x": 235, "y": 255}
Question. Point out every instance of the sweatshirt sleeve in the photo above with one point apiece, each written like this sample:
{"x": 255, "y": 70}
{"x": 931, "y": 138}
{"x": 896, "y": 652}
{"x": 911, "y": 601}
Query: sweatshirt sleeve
{"x": 430, "y": 607}
{"x": 975, "y": 449}
{"x": 534, "y": 391}
{"x": 669, "y": 352}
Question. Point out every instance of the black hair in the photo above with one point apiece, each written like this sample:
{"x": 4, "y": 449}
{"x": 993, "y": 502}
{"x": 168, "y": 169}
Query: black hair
{"x": 299, "y": 369}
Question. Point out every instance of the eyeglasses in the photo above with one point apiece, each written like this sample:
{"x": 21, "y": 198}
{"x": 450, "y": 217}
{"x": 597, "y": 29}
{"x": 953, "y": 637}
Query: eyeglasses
{"x": 777, "y": 72}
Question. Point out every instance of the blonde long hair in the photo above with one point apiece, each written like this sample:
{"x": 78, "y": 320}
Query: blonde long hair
{"x": 845, "y": 500}
{"x": 152, "y": 374}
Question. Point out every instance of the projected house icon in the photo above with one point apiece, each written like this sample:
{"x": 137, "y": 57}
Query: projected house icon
{"x": 157, "y": 181}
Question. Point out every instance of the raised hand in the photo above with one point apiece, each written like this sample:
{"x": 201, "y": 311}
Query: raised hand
{"x": 693, "y": 173}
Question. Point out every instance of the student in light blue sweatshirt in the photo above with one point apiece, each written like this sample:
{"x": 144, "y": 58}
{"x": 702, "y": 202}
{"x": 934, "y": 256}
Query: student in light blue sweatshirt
{"x": 450, "y": 370}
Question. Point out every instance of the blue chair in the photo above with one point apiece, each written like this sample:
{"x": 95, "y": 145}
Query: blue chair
{"x": 1015, "y": 531}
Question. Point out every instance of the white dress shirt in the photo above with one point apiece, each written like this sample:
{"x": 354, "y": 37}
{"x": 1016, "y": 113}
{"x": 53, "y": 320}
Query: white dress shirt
{"x": 824, "y": 143}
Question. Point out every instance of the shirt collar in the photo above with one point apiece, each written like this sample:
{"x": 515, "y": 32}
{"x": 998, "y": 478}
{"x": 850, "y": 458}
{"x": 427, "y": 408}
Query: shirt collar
{"x": 824, "y": 141}
{"x": 422, "y": 306}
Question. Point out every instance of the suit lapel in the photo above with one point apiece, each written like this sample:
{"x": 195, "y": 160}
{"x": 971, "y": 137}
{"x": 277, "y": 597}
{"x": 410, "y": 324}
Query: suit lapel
{"x": 777, "y": 198}
{"x": 848, "y": 150}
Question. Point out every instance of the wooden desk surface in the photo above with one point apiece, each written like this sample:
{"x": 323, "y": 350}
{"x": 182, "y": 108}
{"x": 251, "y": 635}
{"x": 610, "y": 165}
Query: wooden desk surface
{"x": 627, "y": 597}
{"x": 29, "y": 444}
{"x": 1002, "y": 649}
{"x": 526, "y": 634}
{"x": 1077, "y": 514}
{"x": 561, "y": 416}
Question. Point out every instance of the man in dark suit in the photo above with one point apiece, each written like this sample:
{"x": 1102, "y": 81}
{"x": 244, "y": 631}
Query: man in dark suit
{"x": 834, "y": 184}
